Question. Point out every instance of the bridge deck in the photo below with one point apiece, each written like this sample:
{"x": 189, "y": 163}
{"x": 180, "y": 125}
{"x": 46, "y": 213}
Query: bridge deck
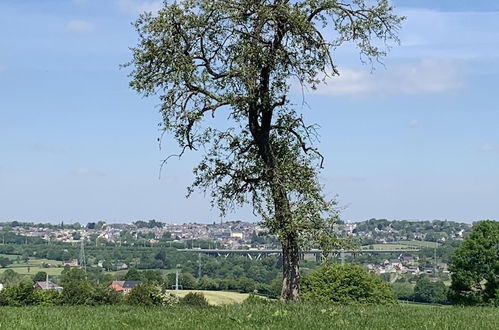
{"x": 269, "y": 251}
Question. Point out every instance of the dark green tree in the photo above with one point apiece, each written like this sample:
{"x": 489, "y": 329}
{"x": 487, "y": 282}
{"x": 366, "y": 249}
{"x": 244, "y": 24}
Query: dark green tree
{"x": 475, "y": 266}
{"x": 4, "y": 262}
{"x": 77, "y": 289}
{"x": 236, "y": 59}
{"x": 40, "y": 276}
{"x": 430, "y": 292}
{"x": 134, "y": 275}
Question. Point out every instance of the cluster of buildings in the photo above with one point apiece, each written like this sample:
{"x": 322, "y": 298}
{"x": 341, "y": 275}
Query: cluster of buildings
{"x": 233, "y": 234}
{"x": 405, "y": 265}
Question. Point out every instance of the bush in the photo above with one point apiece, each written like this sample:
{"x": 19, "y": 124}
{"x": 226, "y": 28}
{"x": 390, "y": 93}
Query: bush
{"x": 103, "y": 295}
{"x": 78, "y": 293}
{"x": 18, "y": 295}
{"x": 145, "y": 295}
{"x": 195, "y": 299}
{"x": 346, "y": 285}
{"x": 47, "y": 297}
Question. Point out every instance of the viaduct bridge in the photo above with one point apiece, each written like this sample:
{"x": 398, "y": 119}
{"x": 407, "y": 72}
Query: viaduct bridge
{"x": 257, "y": 254}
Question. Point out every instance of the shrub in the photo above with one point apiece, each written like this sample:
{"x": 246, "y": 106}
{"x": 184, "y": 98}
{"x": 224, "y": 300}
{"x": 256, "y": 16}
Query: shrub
{"x": 144, "y": 295}
{"x": 103, "y": 295}
{"x": 195, "y": 299}
{"x": 77, "y": 293}
{"x": 47, "y": 297}
{"x": 346, "y": 284}
{"x": 18, "y": 295}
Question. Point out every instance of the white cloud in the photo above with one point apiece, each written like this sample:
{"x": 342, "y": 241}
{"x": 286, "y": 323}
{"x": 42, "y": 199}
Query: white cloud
{"x": 79, "y": 26}
{"x": 138, "y": 7}
{"x": 490, "y": 147}
{"x": 424, "y": 77}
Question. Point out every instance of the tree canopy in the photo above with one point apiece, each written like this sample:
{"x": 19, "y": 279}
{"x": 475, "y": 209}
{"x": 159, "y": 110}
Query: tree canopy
{"x": 237, "y": 59}
{"x": 475, "y": 266}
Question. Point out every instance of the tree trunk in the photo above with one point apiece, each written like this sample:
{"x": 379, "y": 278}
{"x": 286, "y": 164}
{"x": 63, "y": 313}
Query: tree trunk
{"x": 290, "y": 269}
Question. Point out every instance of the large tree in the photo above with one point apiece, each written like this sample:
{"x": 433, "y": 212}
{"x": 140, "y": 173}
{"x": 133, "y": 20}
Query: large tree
{"x": 237, "y": 59}
{"x": 475, "y": 266}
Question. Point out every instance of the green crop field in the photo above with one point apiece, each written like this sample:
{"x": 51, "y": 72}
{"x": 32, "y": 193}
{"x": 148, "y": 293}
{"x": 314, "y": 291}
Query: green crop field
{"x": 388, "y": 246}
{"x": 273, "y": 316}
{"x": 33, "y": 266}
{"x": 420, "y": 244}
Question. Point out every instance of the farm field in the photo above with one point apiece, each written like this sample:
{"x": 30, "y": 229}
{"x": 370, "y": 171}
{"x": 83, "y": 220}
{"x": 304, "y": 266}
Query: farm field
{"x": 402, "y": 245}
{"x": 271, "y": 316}
{"x": 423, "y": 244}
{"x": 218, "y": 297}
{"x": 33, "y": 266}
{"x": 388, "y": 246}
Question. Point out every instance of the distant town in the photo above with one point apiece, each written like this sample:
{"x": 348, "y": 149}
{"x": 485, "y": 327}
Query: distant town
{"x": 374, "y": 234}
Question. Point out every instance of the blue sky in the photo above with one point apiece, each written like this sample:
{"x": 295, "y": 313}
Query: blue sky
{"x": 415, "y": 139}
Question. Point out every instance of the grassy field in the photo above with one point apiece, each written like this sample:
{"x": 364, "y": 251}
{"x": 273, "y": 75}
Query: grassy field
{"x": 402, "y": 245}
{"x": 274, "y": 316}
{"x": 218, "y": 297}
{"x": 420, "y": 244}
{"x": 388, "y": 246}
{"x": 33, "y": 266}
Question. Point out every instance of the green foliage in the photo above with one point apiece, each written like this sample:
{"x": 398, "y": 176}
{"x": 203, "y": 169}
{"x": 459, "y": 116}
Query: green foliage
{"x": 40, "y": 276}
{"x": 144, "y": 295}
{"x": 18, "y": 295}
{"x": 10, "y": 277}
{"x": 475, "y": 266}
{"x": 104, "y": 295}
{"x": 403, "y": 290}
{"x": 430, "y": 292}
{"x": 47, "y": 297}
{"x": 207, "y": 56}
{"x": 4, "y": 262}
{"x": 69, "y": 275}
{"x": 194, "y": 299}
{"x": 133, "y": 275}
{"x": 346, "y": 284}
{"x": 77, "y": 292}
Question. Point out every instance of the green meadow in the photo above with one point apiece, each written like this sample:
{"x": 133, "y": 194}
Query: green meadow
{"x": 243, "y": 316}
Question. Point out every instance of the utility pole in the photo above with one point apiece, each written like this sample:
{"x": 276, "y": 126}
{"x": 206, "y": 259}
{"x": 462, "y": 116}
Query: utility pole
{"x": 176, "y": 280}
{"x": 434, "y": 261}
{"x": 199, "y": 265}
{"x": 83, "y": 262}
